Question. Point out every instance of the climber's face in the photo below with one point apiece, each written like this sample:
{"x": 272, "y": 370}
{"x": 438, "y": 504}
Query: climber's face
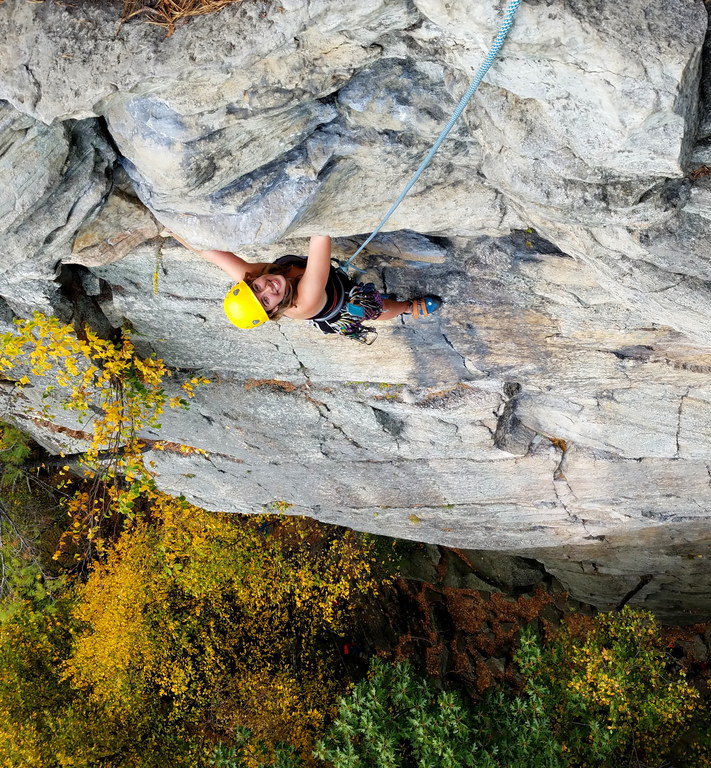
{"x": 270, "y": 290}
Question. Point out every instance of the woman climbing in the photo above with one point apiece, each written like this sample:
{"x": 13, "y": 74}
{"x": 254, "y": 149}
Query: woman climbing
{"x": 307, "y": 289}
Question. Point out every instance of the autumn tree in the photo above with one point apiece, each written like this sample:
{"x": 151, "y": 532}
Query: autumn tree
{"x": 196, "y": 626}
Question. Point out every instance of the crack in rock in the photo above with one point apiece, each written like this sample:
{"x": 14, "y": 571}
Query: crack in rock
{"x": 644, "y": 580}
{"x": 510, "y": 434}
{"x": 563, "y": 490}
{"x": 37, "y": 88}
{"x": 678, "y": 424}
{"x": 461, "y": 356}
{"x": 324, "y": 412}
{"x": 302, "y": 368}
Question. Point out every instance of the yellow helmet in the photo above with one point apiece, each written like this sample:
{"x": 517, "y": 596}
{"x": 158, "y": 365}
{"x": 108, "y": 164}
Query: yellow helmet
{"x": 243, "y": 308}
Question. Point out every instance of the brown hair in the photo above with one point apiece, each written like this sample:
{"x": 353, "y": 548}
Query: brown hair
{"x": 289, "y": 293}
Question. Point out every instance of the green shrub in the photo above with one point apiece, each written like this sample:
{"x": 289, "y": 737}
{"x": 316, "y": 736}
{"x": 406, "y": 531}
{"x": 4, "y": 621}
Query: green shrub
{"x": 15, "y": 447}
{"x": 398, "y": 719}
{"x": 31, "y": 520}
{"x": 601, "y": 695}
{"x": 516, "y": 731}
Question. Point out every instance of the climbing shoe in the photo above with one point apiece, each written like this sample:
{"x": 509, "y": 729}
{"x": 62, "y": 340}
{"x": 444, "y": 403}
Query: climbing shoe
{"x": 424, "y": 306}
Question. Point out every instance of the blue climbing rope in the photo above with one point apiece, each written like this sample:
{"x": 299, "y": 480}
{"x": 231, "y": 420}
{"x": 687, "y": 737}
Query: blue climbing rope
{"x": 509, "y": 13}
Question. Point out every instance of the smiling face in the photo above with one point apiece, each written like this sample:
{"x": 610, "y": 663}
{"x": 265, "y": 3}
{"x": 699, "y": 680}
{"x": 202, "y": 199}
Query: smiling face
{"x": 270, "y": 290}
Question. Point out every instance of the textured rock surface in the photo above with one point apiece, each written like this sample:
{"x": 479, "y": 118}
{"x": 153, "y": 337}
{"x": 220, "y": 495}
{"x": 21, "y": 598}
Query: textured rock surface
{"x": 51, "y": 179}
{"x": 558, "y": 406}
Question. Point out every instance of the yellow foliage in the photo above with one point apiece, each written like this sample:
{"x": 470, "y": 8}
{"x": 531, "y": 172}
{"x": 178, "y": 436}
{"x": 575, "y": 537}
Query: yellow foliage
{"x": 126, "y": 642}
{"x": 222, "y": 618}
{"x": 613, "y": 674}
{"x": 118, "y": 392}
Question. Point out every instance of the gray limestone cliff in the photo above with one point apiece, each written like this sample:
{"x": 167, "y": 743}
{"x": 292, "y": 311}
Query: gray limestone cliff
{"x": 558, "y": 407}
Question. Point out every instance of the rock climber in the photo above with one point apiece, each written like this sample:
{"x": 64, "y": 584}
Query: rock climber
{"x": 307, "y": 289}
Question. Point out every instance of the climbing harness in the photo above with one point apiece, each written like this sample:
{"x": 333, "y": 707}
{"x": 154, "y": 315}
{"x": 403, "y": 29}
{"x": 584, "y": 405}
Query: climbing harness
{"x": 509, "y": 13}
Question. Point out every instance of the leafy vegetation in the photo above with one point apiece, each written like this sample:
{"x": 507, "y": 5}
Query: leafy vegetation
{"x": 248, "y": 752}
{"x": 196, "y": 626}
{"x": 207, "y": 615}
{"x": 601, "y": 694}
{"x": 399, "y": 719}
{"x": 612, "y": 692}
{"x": 28, "y": 524}
{"x": 117, "y": 393}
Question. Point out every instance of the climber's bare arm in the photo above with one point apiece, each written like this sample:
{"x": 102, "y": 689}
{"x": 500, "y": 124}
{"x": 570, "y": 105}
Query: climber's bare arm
{"x": 230, "y": 263}
{"x": 311, "y": 292}
{"x": 233, "y": 265}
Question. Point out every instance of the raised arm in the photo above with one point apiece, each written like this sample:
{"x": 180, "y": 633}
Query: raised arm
{"x": 311, "y": 293}
{"x": 233, "y": 265}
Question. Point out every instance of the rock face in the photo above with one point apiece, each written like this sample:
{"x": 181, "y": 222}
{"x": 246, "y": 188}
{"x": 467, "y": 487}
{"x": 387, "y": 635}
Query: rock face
{"x": 557, "y": 408}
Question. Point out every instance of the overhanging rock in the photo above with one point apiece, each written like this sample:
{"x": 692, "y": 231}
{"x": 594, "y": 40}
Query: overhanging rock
{"x": 557, "y": 407}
